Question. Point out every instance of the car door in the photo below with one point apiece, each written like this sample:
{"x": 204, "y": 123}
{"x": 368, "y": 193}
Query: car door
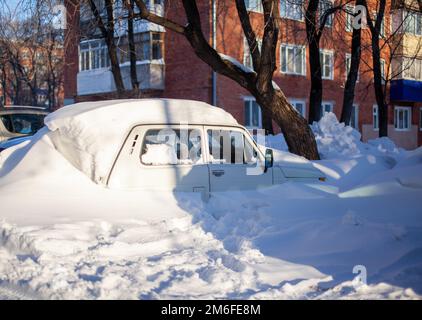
{"x": 162, "y": 158}
{"x": 234, "y": 161}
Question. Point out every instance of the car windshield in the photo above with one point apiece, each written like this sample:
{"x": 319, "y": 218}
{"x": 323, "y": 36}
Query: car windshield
{"x": 24, "y": 123}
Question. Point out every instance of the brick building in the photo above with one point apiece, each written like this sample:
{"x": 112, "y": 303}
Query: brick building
{"x": 168, "y": 67}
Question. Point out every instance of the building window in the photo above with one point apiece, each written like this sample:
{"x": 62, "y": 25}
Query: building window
{"x": 293, "y": 59}
{"x": 253, "y": 115}
{"x": 348, "y": 62}
{"x": 350, "y": 11}
{"x": 382, "y": 27}
{"x": 326, "y": 107}
{"x": 254, "y": 5}
{"x": 299, "y": 105}
{"x": 412, "y": 69}
{"x": 324, "y": 6}
{"x": 247, "y": 56}
{"x": 420, "y": 119}
{"x": 327, "y": 70}
{"x": 375, "y": 117}
{"x": 402, "y": 118}
{"x": 93, "y": 55}
{"x": 412, "y": 22}
{"x": 354, "y": 119}
{"x": 383, "y": 70}
{"x": 291, "y": 9}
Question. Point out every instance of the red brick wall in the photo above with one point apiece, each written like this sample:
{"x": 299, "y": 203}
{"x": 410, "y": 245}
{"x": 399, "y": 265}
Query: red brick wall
{"x": 71, "y": 48}
{"x": 186, "y": 75}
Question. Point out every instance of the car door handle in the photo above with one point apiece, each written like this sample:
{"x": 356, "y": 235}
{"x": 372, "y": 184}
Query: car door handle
{"x": 218, "y": 173}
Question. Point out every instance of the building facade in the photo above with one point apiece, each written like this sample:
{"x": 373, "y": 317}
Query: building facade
{"x": 168, "y": 67}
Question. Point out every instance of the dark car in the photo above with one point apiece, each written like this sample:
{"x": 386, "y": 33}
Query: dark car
{"x": 18, "y": 122}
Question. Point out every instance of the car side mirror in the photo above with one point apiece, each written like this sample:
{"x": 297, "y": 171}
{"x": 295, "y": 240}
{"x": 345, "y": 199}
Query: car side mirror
{"x": 269, "y": 159}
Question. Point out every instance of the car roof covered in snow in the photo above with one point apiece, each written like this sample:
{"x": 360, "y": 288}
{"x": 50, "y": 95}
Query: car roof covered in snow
{"x": 146, "y": 111}
{"x": 90, "y": 134}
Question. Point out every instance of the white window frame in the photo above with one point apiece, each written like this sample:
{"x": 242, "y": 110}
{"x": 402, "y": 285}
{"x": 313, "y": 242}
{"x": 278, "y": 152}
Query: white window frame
{"x": 247, "y": 56}
{"x": 375, "y": 117}
{"x": 411, "y": 69}
{"x": 348, "y": 62}
{"x": 383, "y": 65}
{"x": 356, "y": 115}
{"x": 254, "y": 6}
{"x": 295, "y": 47}
{"x": 90, "y": 51}
{"x": 294, "y": 102}
{"x": 349, "y": 17}
{"x": 398, "y": 109}
{"x": 414, "y": 18}
{"x": 250, "y": 100}
{"x": 330, "y": 53}
{"x": 286, "y": 4}
{"x": 324, "y": 104}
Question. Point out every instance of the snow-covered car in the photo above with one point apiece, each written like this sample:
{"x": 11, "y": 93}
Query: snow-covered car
{"x": 167, "y": 144}
{"x": 18, "y": 121}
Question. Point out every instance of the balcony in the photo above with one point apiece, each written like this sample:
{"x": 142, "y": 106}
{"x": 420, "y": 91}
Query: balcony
{"x": 150, "y": 76}
{"x": 406, "y": 90}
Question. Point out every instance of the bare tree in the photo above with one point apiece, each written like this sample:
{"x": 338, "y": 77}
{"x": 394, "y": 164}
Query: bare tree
{"x": 316, "y": 19}
{"x": 352, "y": 76}
{"x": 259, "y": 83}
{"x": 108, "y": 30}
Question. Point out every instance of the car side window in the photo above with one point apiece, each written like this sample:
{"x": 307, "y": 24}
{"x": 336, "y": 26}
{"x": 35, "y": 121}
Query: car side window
{"x": 230, "y": 147}
{"x": 169, "y": 146}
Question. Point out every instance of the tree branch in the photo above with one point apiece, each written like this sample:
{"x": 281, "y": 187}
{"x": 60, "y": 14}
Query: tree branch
{"x": 152, "y": 17}
{"x": 249, "y": 33}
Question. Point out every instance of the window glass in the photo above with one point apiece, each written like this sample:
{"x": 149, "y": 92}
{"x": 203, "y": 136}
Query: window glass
{"x": 254, "y": 5}
{"x": 252, "y": 114}
{"x": 375, "y": 117}
{"x": 172, "y": 147}
{"x": 420, "y": 119}
{"x": 402, "y": 118}
{"x": 326, "y": 59}
{"x": 292, "y": 59}
{"x": 230, "y": 147}
{"x": 291, "y": 9}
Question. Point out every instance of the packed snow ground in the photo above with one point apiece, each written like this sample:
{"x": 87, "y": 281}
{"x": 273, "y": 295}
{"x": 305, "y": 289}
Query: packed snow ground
{"x": 64, "y": 237}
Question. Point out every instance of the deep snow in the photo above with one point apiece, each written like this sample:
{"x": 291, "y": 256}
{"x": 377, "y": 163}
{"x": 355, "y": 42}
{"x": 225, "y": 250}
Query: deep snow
{"x": 63, "y": 236}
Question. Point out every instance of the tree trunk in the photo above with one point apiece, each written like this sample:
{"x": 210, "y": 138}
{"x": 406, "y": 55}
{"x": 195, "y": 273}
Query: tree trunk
{"x": 108, "y": 34}
{"x": 380, "y": 94}
{"x": 352, "y": 76}
{"x": 300, "y": 138}
{"x": 132, "y": 50}
{"x": 267, "y": 122}
{"x": 315, "y": 96}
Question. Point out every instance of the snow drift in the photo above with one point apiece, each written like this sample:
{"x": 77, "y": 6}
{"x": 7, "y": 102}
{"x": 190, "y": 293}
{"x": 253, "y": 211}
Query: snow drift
{"x": 90, "y": 134}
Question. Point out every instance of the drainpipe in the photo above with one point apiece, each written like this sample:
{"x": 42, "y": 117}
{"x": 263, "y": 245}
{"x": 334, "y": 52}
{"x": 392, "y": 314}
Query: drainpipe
{"x": 214, "y": 45}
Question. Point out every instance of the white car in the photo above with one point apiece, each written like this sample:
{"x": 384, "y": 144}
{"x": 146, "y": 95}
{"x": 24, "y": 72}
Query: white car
{"x": 168, "y": 144}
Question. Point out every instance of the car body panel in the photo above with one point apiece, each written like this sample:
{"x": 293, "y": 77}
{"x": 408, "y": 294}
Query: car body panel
{"x": 129, "y": 171}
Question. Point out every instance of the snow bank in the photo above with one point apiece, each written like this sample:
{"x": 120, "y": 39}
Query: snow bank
{"x": 90, "y": 134}
{"x": 335, "y": 140}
